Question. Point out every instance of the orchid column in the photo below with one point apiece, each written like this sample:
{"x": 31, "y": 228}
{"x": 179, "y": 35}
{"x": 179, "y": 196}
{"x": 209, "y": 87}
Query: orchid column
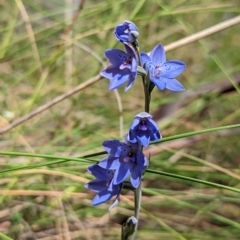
{"x": 126, "y": 160}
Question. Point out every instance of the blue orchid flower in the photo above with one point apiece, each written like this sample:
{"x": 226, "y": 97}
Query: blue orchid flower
{"x": 123, "y": 67}
{"x": 103, "y": 185}
{"x": 126, "y": 159}
{"x": 126, "y": 32}
{"x": 161, "y": 72}
{"x": 143, "y": 129}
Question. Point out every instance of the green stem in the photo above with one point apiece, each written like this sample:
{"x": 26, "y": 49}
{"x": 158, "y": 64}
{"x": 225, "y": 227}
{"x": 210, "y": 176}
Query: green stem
{"x": 65, "y": 158}
{"x": 58, "y": 159}
{"x": 138, "y": 191}
{"x": 194, "y": 180}
{"x": 145, "y": 83}
{"x": 146, "y": 95}
{"x": 190, "y": 134}
{"x": 138, "y": 197}
{"x": 137, "y": 204}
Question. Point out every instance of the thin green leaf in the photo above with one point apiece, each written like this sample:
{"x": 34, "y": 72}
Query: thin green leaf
{"x": 194, "y": 180}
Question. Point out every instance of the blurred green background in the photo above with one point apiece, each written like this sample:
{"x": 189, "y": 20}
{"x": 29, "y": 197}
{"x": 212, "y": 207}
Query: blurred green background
{"x": 48, "y": 48}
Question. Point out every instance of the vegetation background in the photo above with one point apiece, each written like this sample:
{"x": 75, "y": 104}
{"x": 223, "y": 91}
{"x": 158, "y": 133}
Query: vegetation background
{"x": 51, "y": 48}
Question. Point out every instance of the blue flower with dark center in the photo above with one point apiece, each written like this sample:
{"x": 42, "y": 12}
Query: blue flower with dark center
{"x": 126, "y": 32}
{"x": 103, "y": 185}
{"x": 161, "y": 72}
{"x": 126, "y": 159}
{"x": 123, "y": 68}
{"x": 143, "y": 129}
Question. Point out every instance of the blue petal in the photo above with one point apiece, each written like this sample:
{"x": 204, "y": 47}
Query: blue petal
{"x": 96, "y": 185}
{"x": 134, "y": 57}
{"x": 141, "y": 160}
{"x": 135, "y": 123}
{"x": 152, "y": 126}
{"x": 117, "y": 191}
{"x": 131, "y": 25}
{"x": 119, "y": 33}
{"x": 144, "y": 58}
{"x": 134, "y": 67}
{"x": 119, "y": 79}
{"x": 171, "y": 69}
{"x": 130, "y": 50}
{"x": 122, "y": 172}
{"x": 158, "y": 55}
{"x": 100, "y": 173}
{"x": 155, "y": 136}
{"x": 133, "y": 75}
{"x": 129, "y": 85}
{"x": 116, "y": 56}
{"x": 110, "y": 72}
{"x": 146, "y": 162}
{"x": 136, "y": 177}
{"x": 131, "y": 136}
{"x": 143, "y": 137}
{"x": 116, "y": 148}
{"x": 159, "y": 82}
{"x": 149, "y": 67}
{"x": 112, "y": 146}
{"x": 101, "y": 197}
{"x": 174, "y": 85}
{"x": 109, "y": 163}
{"x": 126, "y": 32}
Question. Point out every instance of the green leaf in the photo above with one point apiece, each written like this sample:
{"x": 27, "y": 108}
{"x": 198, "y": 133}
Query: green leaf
{"x": 4, "y": 237}
{"x": 194, "y": 180}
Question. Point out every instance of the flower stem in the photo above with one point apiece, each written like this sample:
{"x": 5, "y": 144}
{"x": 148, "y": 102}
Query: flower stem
{"x": 137, "y": 204}
{"x": 138, "y": 191}
{"x": 146, "y": 95}
{"x": 144, "y": 81}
